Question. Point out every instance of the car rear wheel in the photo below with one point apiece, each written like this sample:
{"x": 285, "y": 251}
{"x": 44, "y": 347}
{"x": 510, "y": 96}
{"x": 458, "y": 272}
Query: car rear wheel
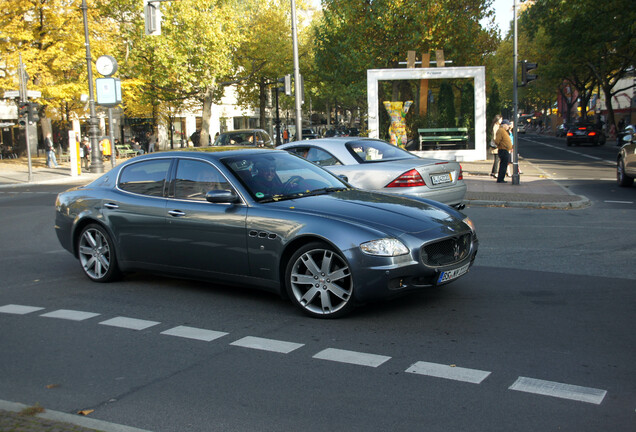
{"x": 622, "y": 179}
{"x": 97, "y": 254}
{"x": 319, "y": 281}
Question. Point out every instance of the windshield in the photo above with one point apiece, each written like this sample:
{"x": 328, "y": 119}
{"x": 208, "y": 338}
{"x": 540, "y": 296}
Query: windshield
{"x": 273, "y": 176}
{"x": 369, "y": 151}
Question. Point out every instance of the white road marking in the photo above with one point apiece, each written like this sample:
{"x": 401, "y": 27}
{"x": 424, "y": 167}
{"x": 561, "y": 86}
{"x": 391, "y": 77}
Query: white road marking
{"x": 555, "y": 389}
{"x": 72, "y": 315}
{"x": 473, "y": 376}
{"x": 619, "y": 202}
{"x": 194, "y": 333}
{"x": 129, "y": 323}
{"x": 267, "y": 344}
{"x": 18, "y": 309}
{"x": 352, "y": 357}
{"x": 572, "y": 151}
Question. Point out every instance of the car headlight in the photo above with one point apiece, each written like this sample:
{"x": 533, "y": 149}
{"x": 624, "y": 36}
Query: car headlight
{"x": 470, "y": 223}
{"x": 384, "y": 247}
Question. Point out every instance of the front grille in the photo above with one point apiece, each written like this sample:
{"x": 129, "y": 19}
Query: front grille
{"x": 447, "y": 251}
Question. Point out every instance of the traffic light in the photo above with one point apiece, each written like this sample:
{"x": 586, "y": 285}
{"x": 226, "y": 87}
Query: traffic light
{"x": 33, "y": 115}
{"x": 23, "y": 113}
{"x": 152, "y": 18}
{"x": 525, "y": 76}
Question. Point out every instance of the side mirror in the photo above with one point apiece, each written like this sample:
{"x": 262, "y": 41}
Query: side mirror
{"x": 222, "y": 197}
{"x": 344, "y": 178}
{"x": 627, "y": 138}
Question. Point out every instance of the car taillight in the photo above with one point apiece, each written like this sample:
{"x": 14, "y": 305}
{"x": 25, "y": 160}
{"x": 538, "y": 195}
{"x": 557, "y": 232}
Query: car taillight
{"x": 570, "y": 134}
{"x": 592, "y": 133}
{"x": 461, "y": 173}
{"x": 408, "y": 179}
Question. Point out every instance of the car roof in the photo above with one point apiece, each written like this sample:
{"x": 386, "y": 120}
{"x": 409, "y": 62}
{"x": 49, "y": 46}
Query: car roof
{"x": 210, "y": 155}
{"x": 242, "y": 131}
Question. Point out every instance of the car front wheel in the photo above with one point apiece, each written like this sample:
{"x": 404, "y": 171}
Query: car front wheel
{"x": 319, "y": 281}
{"x": 97, "y": 254}
{"x": 622, "y": 179}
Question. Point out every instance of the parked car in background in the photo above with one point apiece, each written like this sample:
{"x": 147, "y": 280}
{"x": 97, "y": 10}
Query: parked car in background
{"x": 585, "y": 133}
{"x": 521, "y": 128}
{"x": 562, "y": 129}
{"x": 626, "y": 160}
{"x": 244, "y": 137}
{"x": 376, "y": 165}
{"x": 264, "y": 218}
{"x": 308, "y": 134}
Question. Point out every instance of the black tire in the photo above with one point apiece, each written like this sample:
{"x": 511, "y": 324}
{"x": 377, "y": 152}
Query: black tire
{"x": 96, "y": 253}
{"x": 319, "y": 281}
{"x": 623, "y": 179}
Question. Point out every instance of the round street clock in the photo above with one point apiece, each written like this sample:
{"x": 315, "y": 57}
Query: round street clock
{"x": 106, "y": 65}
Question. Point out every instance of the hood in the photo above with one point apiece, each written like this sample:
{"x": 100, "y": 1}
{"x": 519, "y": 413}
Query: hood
{"x": 389, "y": 213}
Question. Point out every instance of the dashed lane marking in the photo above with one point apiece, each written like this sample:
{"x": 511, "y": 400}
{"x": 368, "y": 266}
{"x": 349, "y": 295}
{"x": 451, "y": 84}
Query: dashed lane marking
{"x": 559, "y": 390}
{"x": 473, "y": 376}
{"x": 129, "y": 323}
{"x": 72, "y": 315}
{"x": 451, "y": 372}
{"x": 352, "y": 357}
{"x": 18, "y": 309}
{"x": 194, "y": 333}
{"x": 267, "y": 344}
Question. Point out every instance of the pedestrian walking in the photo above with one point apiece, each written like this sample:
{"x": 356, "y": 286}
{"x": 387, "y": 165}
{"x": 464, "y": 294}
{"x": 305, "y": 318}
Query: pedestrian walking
{"x": 85, "y": 149}
{"x": 504, "y": 145}
{"x": 496, "y": 123}
{"x": 51, "y": 162}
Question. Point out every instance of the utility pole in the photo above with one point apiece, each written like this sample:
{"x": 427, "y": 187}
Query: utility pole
{"x": 96, "y": 155}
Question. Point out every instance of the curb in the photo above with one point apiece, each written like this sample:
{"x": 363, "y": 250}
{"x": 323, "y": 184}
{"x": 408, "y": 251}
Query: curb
{"x": 98, "y": 425}
{"x": 569, "y": 205}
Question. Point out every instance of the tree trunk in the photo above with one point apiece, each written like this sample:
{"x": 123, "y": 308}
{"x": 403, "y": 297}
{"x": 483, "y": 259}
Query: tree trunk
{"x": 609, "y": 121}
{"x": 262, "y": 103}
{"x": 204, "y": 139}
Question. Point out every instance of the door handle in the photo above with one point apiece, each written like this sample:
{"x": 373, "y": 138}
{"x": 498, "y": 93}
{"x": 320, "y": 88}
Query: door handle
{"x": 176, "y": 213}
{"x": 111, "y": 206}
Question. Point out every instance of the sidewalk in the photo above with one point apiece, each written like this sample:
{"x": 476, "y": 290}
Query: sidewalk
{"x": 535, "y": 189}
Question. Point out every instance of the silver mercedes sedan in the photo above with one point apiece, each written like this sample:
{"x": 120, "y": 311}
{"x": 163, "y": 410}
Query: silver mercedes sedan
{"x": 378, "y": 166}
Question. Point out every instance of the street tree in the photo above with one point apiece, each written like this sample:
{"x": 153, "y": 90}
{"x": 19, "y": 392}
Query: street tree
{"x": 597, "y": 36}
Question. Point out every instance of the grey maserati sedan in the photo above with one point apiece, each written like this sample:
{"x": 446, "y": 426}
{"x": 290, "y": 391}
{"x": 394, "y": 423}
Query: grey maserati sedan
{"x": 264, "y": 218}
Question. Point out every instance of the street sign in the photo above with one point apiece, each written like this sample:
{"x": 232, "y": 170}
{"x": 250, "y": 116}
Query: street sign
{"x": 9, "y": 94}
{"x": 6, "y": 124}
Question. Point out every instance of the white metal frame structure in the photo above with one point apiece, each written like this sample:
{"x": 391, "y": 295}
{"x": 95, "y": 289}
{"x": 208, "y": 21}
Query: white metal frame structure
{"x": 477, "y": 73}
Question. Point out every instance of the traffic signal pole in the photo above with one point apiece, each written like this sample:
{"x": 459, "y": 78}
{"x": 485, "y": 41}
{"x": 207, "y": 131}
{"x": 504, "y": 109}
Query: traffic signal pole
{"x": 515, "y": 149}
{"x": 24, "y": 101}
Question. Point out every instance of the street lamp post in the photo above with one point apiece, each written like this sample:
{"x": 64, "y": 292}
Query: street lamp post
{"x": 299, "y": 112}
{"x": 96, "y": 157}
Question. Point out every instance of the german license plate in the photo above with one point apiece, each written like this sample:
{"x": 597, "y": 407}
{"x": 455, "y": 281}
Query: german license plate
{"x": 441, "y": 178}
{"x": 453, "y": 274}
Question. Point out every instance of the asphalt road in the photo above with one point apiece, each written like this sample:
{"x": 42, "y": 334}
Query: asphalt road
{"x": 538, "y": 336}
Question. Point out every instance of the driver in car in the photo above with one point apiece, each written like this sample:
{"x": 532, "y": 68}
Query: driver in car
{"x": 266, "y": 182}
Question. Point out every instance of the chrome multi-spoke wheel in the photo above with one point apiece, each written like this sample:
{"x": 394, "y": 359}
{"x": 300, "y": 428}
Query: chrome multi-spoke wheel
{"x": 621, "y": 177}
{"x": 96, "y": 254}
{"x": 319, "y": 281}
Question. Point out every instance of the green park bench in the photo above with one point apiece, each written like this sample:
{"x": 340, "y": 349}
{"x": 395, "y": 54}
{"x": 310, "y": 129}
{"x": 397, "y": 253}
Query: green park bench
{"x": 435, "y": 139}
{"x": 124, "y": 150}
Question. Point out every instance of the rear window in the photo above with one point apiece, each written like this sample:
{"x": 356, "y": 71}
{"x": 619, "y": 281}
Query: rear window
{"x": 145, "y": 178}
{"x": 369, "y": 151}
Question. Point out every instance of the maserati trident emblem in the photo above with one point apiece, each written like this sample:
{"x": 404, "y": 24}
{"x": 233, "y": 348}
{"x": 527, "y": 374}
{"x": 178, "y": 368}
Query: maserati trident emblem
{"x": 456, "y": 250}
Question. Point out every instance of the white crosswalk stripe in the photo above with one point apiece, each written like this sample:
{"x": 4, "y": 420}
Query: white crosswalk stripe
{"x": 194, "y": 333}
{"x": 559, "y": 390}
{"x": 129, "y": 323}
{"x": 18, "y": 309}
{"x": 352, "y": 357}
{"x": 267, "y": 344}
{"x": 473, "y": 376}
{"x": 72, "y": 315}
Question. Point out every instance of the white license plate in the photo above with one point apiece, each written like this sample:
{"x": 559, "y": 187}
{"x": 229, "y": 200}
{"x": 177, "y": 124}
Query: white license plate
{"x": 441, "y": 178}
{"x": 453, "y": 274}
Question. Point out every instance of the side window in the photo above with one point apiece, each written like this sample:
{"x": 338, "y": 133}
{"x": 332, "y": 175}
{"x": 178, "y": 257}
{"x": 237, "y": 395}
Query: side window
{"x": 300, "y": 151}
{"x": 146, "y": 178}
{"x": 321, "y": 157}
{"x": 196, "y": 178}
